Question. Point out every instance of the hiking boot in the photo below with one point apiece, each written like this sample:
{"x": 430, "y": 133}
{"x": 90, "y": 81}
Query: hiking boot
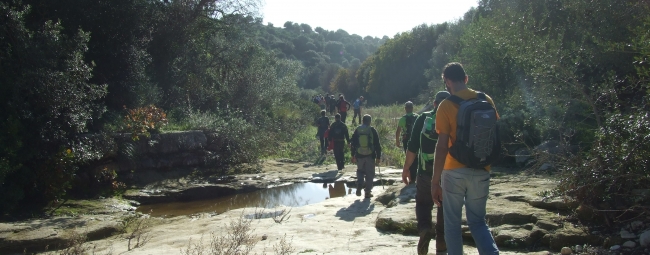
{"x": 423, "y": 243}
{"x": 358, "y": 192}
{"x": 368, "y": 195}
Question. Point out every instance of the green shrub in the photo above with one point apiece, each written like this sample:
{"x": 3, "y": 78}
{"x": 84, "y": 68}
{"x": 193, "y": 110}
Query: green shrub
{"x": 613, "y": 177}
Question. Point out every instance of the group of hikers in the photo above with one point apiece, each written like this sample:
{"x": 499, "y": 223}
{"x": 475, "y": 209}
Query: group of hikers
{"x": 448, "y": 155}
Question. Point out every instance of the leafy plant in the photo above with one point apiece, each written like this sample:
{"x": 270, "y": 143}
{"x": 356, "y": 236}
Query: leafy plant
{"x": 144, "y": 120}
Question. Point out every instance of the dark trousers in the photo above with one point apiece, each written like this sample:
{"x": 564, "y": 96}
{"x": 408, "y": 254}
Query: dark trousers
{"x": 332, "y": 108}
{"x": 338, "y": 154}
{"x": 323, "y": 143}
{"x": 357, "y": 112}
{"x": 424, "y": 206}
{"x": 414, "y": 166}
{"x": 343, "y": 115}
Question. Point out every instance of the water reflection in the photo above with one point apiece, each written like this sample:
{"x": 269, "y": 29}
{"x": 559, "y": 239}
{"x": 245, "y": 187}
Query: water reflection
{"x": 293, "y": 195}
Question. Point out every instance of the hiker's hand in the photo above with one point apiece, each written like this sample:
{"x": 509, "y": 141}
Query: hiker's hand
{"x": 436, "y": 193}
{"x": 406, "y": 176}
{"x": 354, "y": 160}
{"x": 377, "y": 161}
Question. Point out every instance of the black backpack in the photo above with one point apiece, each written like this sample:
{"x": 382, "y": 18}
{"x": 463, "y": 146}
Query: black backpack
{"x": 477, "y": 142}
{"x": 410, "y": 120}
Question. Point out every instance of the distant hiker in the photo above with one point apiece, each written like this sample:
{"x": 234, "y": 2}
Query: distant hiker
{"x": 332, "y": 104}
{"x": 403, "y": 133}
{"x": 315, "y": 99}
{"x": 419, "y": 153}
{"x": 322, "y": 103}
{"x": 357, "y": 110}
{"x": 462, "y": 160}
{"x": 343, "y": 106}
{"x": 340, "y": 135}
{"x": 366, "y": 152}
{"x": 323, "y": 124}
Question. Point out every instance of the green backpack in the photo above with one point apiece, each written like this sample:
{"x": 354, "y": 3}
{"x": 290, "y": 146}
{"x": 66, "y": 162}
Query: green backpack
{"x": 429, "y": 132}
{"x": 365, "y": 141}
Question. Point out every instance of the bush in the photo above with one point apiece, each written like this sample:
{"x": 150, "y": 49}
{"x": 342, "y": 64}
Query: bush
{"x": 613, "y": 177}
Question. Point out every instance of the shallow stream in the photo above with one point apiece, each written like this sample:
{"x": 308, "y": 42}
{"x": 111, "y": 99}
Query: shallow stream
{"x": 292, "y": 195}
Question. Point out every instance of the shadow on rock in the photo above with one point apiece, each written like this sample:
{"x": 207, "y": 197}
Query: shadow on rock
{"x": 359, "y": 208}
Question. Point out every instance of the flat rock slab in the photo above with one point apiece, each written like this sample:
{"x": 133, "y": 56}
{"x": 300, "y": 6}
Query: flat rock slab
{"x": 41, "y": 234}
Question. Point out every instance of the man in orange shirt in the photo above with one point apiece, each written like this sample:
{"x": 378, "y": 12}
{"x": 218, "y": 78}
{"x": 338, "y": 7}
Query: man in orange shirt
{"x": 453, "y": 183}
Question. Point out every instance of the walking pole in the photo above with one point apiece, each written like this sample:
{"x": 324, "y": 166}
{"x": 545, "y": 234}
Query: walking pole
{"x": 380, "y": 178}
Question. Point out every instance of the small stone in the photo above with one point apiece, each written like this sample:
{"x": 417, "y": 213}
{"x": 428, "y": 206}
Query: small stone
{"x": 627, "y": 235}
{"x": 264, "y": 237}
{"x": 566, "y": 251}
{"x": 615, "y": 248}
{"x": 636, "y": 225}
{"x": 578, "y": 248}
{"x": 629, "y": 244}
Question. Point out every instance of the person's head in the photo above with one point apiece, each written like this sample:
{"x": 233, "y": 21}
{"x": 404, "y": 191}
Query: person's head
{"x": 366, "y": 119}
{"x": 441, "y": 95}
{"x": 408, "y": 107}
{"x": 322, "y": 113}
{"x": 337, "y": 117}
{"x": 341, "y": 96}
{"x": 454, "y": 75}
{"x": 361, "y": 98}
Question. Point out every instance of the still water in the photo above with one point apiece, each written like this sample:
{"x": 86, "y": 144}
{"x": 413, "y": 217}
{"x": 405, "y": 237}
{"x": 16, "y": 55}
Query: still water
{"x": 293, "y": 195}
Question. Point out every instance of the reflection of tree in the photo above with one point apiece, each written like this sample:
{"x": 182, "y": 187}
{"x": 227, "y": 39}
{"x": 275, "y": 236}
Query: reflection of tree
{"x": 294, "y": 195}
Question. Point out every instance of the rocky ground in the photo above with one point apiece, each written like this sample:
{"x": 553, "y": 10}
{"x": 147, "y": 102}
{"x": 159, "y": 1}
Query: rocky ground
{"x": 521, "y": 220}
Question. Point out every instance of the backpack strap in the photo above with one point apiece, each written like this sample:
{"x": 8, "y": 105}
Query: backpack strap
{"x": 455, "y": 99}
{"x": 481, "y": 95}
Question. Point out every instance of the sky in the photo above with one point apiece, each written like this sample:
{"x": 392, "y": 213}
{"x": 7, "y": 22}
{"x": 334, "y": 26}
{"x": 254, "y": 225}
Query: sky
{"x": 364, "y": 17}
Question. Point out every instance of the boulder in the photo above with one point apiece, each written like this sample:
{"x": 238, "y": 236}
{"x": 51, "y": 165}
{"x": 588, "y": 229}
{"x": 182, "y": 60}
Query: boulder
{"x": 522, "y": 155}
{"x": 629, "y": 244}
{"x": 569, "y": 236}
{"x": 627, "y": 235}
{"x": 644, "y": 239}
{"x": 566, "y": 251}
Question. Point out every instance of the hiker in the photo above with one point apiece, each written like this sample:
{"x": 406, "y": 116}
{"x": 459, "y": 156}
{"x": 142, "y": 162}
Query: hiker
{"x": 403, "y": 133}
{"x": 323, "y": 124}
{"x": 366, "y": 153}
{"x": 332, "y": 104}
{"x": 462, "y": 158}
{"x": 357, "y": 110}
{"x": 343, "y": 106}
{"x": 322, "y": 103}
{"x": 420, "y": 152}
{"x": 339, "y": 134}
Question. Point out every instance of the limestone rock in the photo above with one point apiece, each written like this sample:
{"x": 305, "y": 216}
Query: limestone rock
{"x": 547, "y": 225}
{"x": 644, "y": 239}
{"x": 629, "y": 244}
{"x": 566, "y": 251}
{"x": 570, "y": 235}
{"x": 627, "y": 235}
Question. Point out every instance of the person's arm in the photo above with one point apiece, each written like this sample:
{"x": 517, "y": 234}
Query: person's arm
{"x": 406, "y": 172}
{"x": 400, "y": 123}
{"x": 349, "y": 105}
{"x": 353, "y": 144}
{"x": 397, "y": 134}
{"x": 412, "y": 148}
{"x": 442, "y": 148}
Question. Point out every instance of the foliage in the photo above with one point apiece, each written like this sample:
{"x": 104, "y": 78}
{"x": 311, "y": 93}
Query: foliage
{"x": 143, "y": 120}
{"x": 395, "y": 72}
{"x": 47, "y": 104}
